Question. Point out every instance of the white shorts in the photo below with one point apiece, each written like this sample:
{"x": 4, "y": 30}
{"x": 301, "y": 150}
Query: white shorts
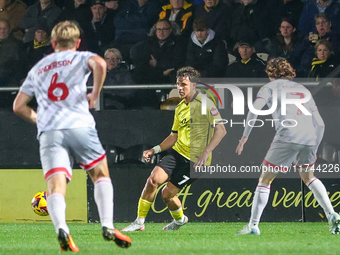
{"x": 60, "y": 148}
{"x": 281, "y": 155}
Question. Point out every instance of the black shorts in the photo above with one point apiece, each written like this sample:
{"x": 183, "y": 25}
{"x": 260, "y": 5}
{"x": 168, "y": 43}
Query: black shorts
{"x": 177, "y": 167}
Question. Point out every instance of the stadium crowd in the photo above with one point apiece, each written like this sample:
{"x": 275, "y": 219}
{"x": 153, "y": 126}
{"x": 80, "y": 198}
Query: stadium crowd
{"x": 146, "y": 41}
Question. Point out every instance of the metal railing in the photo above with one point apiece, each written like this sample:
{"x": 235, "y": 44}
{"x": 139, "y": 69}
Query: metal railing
{"x": 99, "y": 104}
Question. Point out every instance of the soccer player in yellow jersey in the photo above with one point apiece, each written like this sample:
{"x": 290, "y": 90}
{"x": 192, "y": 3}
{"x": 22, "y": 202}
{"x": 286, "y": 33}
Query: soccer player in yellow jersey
{"x": 193, "y": 137}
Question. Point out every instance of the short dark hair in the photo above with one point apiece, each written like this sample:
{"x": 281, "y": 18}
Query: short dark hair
{"x": 200, "y": 24}
{"x": 189, "y": 71}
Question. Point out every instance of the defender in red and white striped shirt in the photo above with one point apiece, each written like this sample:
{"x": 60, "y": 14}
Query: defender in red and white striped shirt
{"x": 297, "y": 143}
{"x": 66, "y": 128}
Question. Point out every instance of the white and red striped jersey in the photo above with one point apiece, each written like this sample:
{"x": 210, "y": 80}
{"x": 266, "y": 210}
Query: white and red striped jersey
{"x": 58, "y": 82}
{"x": 304, "y": 131}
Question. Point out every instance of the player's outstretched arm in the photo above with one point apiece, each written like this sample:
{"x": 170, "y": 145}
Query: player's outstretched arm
{"x": 98, "y": 67}
{"x": 21, "y": 108}
{"x": 165, "y": 145}
{"x": 219, "y": 133}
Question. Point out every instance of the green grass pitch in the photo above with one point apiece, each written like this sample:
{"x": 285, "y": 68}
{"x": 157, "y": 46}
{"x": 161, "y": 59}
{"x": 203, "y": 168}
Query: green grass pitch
{"x": 193, "y": 238}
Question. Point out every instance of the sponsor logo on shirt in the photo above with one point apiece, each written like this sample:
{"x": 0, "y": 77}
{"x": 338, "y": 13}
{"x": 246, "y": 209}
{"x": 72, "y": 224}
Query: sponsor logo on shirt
{"x": 214, "y": 111}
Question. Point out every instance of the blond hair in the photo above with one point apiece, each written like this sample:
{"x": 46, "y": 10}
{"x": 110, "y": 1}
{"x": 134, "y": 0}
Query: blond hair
{"x": 65, "y": 34}
{"x": 324, "y": 42}
{"x": 280, "y": 68}
{"x": 114, "y": 51}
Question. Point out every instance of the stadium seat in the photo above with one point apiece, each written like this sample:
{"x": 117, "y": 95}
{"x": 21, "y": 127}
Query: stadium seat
{"x": 232, "y": 58}
{"x": 328, "y": 152}
{"x": 113, "y": 154}
{"x": 263, "y": 56}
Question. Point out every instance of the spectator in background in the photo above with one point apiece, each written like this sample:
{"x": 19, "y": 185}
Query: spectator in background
{"x": 112, "y": 6}
{"x": 43, "y": 11}
{"x": 117, "y": 74}
{"x": 79, "y": 11}
{"x": 181, "y": 12}
{"x": 247, "y": 22}
{"x": 325, "y": 61}
{"x": 101, "y": 31}
{"x": 276, "y": 10}
{"x": 218, "y": 16}
{"x": 286, "y": 41}
{"x": 306, "y": 51}
{"x": 313, "y": 7}
{"x": 13, "y": 65}
{"x": 134, "y": 20}
{"x": 206, "y": 53}
{"x": 13, "y": 11}
{"x": 324, "y": 31}
{"x": 40, "y": 46}
{"x": 248, "y": 65}
{"x": 157, "y": 59}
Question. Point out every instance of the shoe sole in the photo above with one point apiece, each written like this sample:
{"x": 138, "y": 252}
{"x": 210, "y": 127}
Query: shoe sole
{"x": 120, "y": 239}
{"x": 67, "y": 244}
{"x": 72, "y": 246}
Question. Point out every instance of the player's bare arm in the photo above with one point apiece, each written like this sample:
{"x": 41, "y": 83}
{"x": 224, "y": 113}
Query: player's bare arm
{"x": 219, "y": 133}
{"x": 98, "y": 67}
{"x": 165, "y": 145}
{"x": 21, "y": 108}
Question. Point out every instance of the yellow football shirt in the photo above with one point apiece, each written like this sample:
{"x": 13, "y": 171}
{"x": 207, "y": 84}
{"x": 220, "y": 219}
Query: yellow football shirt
{"x": 194, "y": 129}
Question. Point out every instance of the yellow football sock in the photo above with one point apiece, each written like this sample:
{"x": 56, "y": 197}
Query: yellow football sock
{"x": 143, "y": 208}
{"x": 178, "y": 214}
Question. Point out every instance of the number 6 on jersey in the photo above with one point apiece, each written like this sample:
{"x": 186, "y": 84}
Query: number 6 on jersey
{"x": 54, "y": 85}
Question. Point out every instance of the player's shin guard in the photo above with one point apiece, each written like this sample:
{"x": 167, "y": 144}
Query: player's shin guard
{"x": 320, "y": 194}
{"x": 56, "y": 207}
{"x": 143, "y": 210}
{"x": 103, "y": 196}
{"x": 260, "y": 200}
{"x": 177, "y": 214}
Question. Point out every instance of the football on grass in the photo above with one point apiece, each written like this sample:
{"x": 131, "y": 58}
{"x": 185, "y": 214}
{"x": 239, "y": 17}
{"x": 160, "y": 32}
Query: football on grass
{"x": 39, "y": 203}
